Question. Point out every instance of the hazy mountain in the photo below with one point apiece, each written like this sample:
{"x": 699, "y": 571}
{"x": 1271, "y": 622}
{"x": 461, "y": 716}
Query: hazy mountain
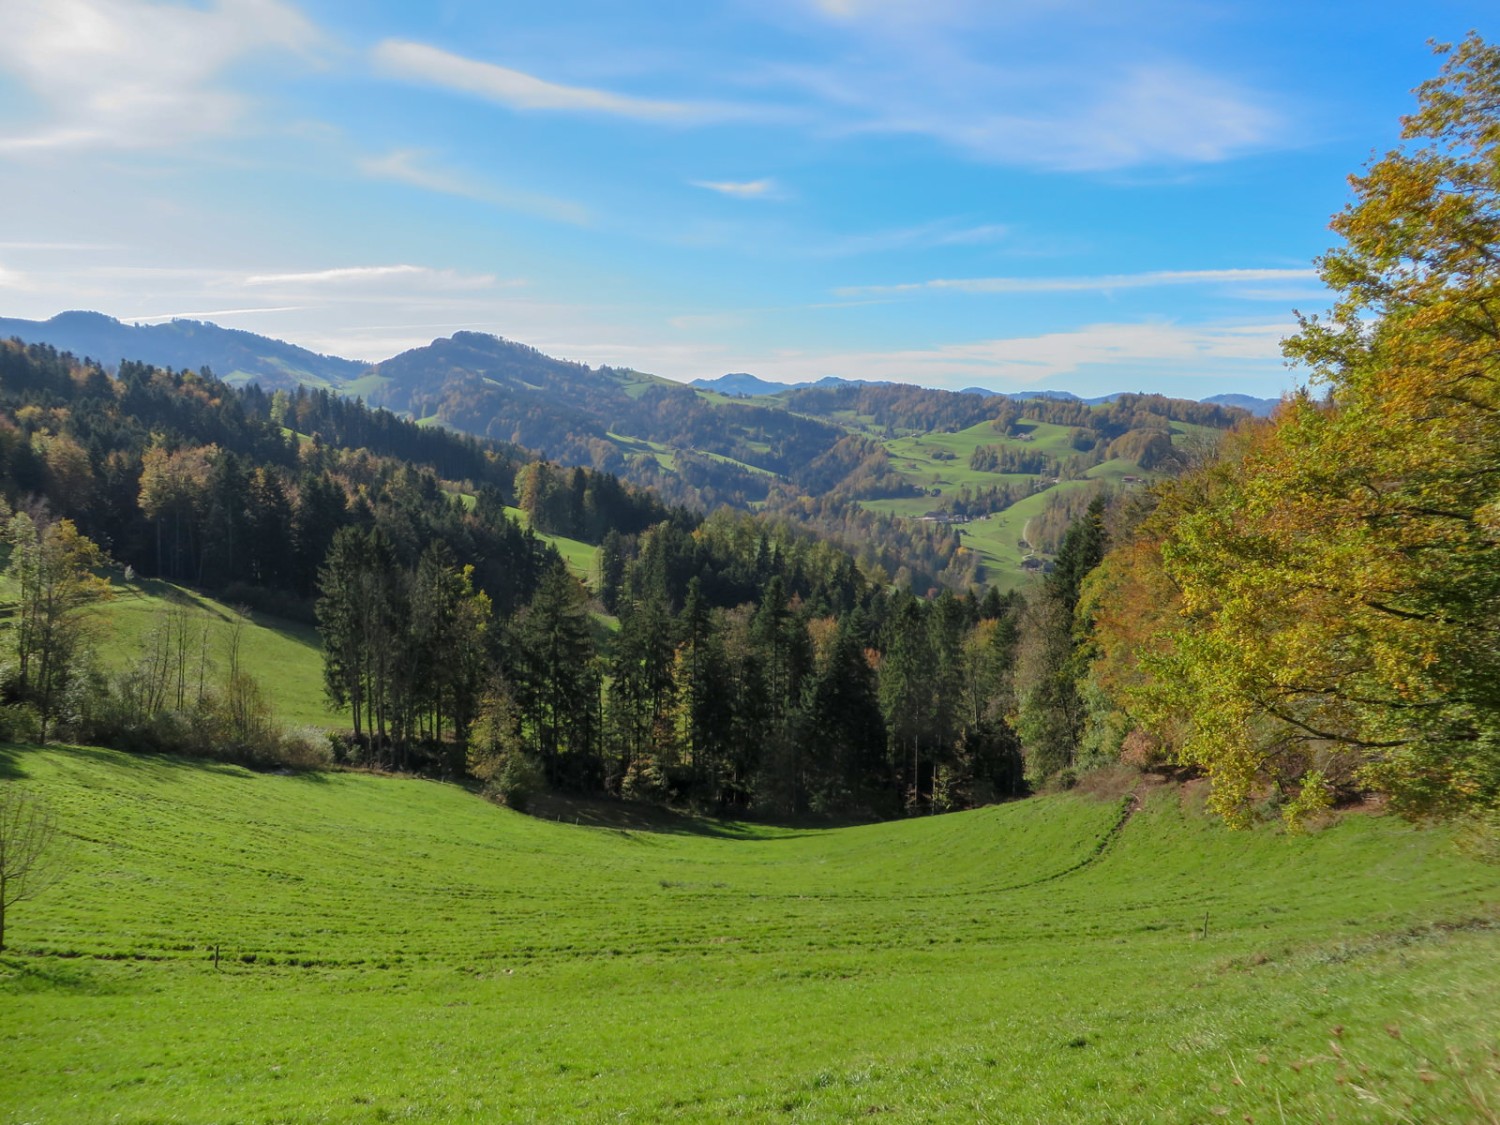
{"x": 740, "y": 383}
{"x": 752, "y": 386}
{"x": 1056, "y": 396}
{"x": 1260, "y": 407}
{"x": 234, "y": 356}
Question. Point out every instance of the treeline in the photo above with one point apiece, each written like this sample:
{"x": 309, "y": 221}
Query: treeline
{"x": 183, "y": 477}
{"x": 752, "y": 669}
{"x": 1009, "y": 459}
{"x": 755, "y": 664}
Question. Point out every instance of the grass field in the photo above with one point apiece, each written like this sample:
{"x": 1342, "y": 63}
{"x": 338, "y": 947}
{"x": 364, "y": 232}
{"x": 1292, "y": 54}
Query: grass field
{"x": 399, "y": 950}
{"x": 285, "y": 657}
{"x": 913, "y": 457}
{"x": 579, "y": 556}
{"x": 997, "y": 537}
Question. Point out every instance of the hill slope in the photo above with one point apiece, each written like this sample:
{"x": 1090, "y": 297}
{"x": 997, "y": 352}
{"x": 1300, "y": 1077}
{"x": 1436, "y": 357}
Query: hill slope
{"x": 235, "y": 356}
{"x": 830, "y": 440}
{"x": 286, "y": 658}
{"x": 400, "y": 949}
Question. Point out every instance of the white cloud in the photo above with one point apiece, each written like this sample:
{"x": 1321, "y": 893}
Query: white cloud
{"x": 445, "y": 279}
{"x": 11, "y": 279}
{"x": 519, "y": 90}
{"x": 1030, "y": 361}
{"x": 204, "y": 314}
{"x": 1103, "y": 283}
{"x": 1146, "y": 116}
{"x": 133, "y": 73}
{"x": 407, "y": 166}
{"x": 749, "y": 189}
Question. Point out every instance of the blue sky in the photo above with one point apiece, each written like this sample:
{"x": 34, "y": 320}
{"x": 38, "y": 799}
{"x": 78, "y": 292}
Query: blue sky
{"x": 1083, "y": 196}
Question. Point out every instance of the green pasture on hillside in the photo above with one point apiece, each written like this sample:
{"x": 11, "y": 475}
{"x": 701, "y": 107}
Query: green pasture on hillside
{"x": 579, "y": 556}
{"x": 400, "y": 950}
{"x": 996, "y": 537}
{"x": 285, "y": 657}
{"x": 665, "y": 456}
{"x": 913, "y": 457}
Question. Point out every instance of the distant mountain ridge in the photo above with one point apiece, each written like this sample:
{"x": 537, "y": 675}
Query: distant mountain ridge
{"x": 744, "y": 385}
{"x": 241, "y": 357}
{"x": 236, "y": 356}
{"x": 1260, "y": 407}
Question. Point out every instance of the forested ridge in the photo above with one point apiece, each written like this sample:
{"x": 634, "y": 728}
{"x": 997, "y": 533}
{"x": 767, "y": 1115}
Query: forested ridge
{"x": 755, "y": 665}
{"x": 816, "y": 456}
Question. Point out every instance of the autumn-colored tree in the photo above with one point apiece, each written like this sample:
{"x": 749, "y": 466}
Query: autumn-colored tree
{"x": 174, "y": 496}
{"x": 1339, "y": 614}
{"x": 51, "y": 569}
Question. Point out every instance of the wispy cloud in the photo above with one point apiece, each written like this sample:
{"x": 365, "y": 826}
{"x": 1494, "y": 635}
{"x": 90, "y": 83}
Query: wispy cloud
{"x": 157, "y": 318}
{"x": 1102, "y": 283}
{"x": 12, "y": 279}
{"x": 748, "y": 189}
{"x": 893, "y": 11}
{"x": 1057, "y": 85}
{"x": 406, "y": 275}
{"x": 1030, "y": 361}
{"x": 1146, "y": 116}
{"x": 923, "y": 236}
{"x": 518, "y": 90}
{"x": 409, "y": 166}
{"x": 61, "y": 247}
{"x": 133, "y": 73}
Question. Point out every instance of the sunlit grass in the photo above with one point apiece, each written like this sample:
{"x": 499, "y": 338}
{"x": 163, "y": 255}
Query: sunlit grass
{"x": 403, "y": 950}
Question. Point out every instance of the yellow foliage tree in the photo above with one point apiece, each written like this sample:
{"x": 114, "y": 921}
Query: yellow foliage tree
{"x": 51, "y": 570}
{"x": 1335, "y": 608}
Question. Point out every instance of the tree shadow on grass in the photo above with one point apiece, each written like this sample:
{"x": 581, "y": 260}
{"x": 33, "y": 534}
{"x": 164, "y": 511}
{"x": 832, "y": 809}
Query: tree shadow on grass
{"x": 225, "y": 612}
{"x": 11, "y": 756}
{"x": 27, "y": 974}
{"x": 13, "y": 761}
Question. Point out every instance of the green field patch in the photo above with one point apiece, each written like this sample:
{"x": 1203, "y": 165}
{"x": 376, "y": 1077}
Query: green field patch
{"x": 998, "y": 537}
{"x": 941, "y": 460}
{"x": 284, "y": 657}
{"x": 401, "y": 950}
{"x": 664, "y": 455}
{"x": 365, "y": 386}
{"x": 579, "y": 556}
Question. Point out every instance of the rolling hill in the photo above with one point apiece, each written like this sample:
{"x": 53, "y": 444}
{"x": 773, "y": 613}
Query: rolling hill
{"x": 233, "y": 355}
{"x": 855, "y": 442}
{"x": 400, "y": 950}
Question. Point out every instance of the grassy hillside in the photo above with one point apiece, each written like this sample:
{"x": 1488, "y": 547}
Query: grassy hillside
{"x": 401, "y": 950}
{"x": 285, "y": 657}
{"x": 579, "y": 556}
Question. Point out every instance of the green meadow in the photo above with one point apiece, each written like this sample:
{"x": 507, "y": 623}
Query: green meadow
{"x": 401, "y": 950}
{"x": 922, "y": 460}
{"x": 578, "y": 555}
{"x": 285, "y": 657}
